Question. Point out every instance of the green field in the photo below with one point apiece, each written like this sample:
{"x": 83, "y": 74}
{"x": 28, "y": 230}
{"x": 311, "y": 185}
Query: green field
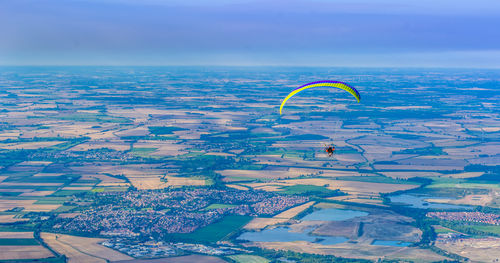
{"x": 18, "y": 242}
{"x": 159, "y": 130}
{"x": 442, "y": 230}
{"x": 217, "y": 206}
{"x": 17, "y": 228}
{"x": 143, "y": 152}
{"x": 248, "y": 259}
{"x": 68, "y": 192}
{"x": 485, "y": 228}
{"x": 44, "y": 260}
{"x": 473, "y": 229}
{"x": 63, "y": 209}
{"x": 302, "y": 189}
{"x": 216, "y": 231}
{"x": 51, "y": 201}
{"x": 10, "y": 193}
{"x": 93, "y": 117}
{"x": 374, "y": 179}
{"x": 464, "y": 185}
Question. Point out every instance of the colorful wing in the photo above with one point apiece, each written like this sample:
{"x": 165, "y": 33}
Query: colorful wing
{"x": 323, "y": 83}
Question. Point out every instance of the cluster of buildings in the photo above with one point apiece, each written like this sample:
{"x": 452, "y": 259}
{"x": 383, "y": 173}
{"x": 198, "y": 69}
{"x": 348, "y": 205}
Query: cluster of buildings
{"x": 204, "y": 249}
{"x": 271, "y": 205}
{"x": 152, "y": 249}
{"x": 88, "y": 155}
{"x": 477, "y": 217}
{"x": 450, "y": 237}
{"x": 158, "y": 213}
{"x": 141, "y": 250}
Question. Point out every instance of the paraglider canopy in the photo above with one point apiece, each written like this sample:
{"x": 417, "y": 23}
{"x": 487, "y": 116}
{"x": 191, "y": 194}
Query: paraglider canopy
{"x": 322, "y": 83}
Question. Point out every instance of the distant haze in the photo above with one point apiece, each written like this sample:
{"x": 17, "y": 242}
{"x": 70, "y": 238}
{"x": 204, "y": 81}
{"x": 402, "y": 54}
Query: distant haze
{"x": 410, "y": 33}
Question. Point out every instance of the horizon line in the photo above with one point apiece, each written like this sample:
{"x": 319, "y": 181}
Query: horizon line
{"x": 249, "y": 66}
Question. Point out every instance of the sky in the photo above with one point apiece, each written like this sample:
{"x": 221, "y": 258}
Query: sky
{"x": 351, "y": 33}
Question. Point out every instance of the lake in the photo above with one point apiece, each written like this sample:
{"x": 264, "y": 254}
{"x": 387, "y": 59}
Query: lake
{"x": 283, "y": 234}
{"x": 419, "y": 202}
{"x": 392, "y": 243}
{"x": 333, "y": 214}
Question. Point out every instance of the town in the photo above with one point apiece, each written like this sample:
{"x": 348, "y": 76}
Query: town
{"x": 161, "y": 212}
{"x": 477, "y": 217}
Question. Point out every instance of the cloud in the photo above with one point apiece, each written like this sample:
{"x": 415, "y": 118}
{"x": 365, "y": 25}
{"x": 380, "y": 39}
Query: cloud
{"x": 55, "y": 30}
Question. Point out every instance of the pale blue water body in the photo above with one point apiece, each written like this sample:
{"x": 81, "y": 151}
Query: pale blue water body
{"x": 392, "y": 243}
{"x": 419, "y": 202}
{"x": 333, "y": 214}
{"x": 283, "y": 234}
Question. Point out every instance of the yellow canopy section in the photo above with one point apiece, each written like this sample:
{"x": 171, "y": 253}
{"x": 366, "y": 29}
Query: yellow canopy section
{"x": 324, "y": 83}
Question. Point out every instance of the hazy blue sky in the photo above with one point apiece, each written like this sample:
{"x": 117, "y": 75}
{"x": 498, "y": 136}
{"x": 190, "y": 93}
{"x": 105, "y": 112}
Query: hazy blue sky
{"x": 438, "y": 33}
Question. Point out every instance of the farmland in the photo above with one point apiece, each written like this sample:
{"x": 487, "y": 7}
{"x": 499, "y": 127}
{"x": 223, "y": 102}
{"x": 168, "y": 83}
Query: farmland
{"x": 172, "y": 162}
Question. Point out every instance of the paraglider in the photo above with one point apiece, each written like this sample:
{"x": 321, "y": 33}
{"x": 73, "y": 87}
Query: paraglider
{"x": 323, "y": 83}
{"x": 330, "y": 149}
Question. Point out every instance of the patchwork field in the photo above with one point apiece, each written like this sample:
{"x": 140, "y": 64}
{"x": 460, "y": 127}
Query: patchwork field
{"x": 71, "y": 137}
{"x": 283, "y": 217}
{"x": 479, "y": 250}
{"x": 249, "y": 259}
{"x": 28, "y": 145}
{"x": 28, "y": 205}
{"x": 351, "y": 187}
{"x": 24, "y": 252}
{"x": 351, "y": 250}
{"x": 82, "y": 249}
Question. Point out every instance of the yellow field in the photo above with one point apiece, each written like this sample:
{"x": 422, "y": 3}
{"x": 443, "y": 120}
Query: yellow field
{"x": 163, "y": 148}
{"x": 85, "y": 188}
{"x": 481, "y": 200}
{"x": 16, "y": 234}
{"x": 138, "y": 131}
{"x": 106, "y": 180}
{"x": 182, "y": 181}
{"x": 239, "y": 187}
{"x": 465, "y": 175}
{"x": 28, "y": 145}
{"x": 11, "y": 219}
{"x": 417, "y": 167}
{"x": 82, "y": 249}
{"x": 24, "y": 252}
{"x": 34, "y": 163}
{"x": 147, "y": 182}
{"x": 9, "y": 135}
{"x": 29, "y": 184}
{"x": 263, "y": 174}
{"x": 27, "y": 204}
{"x": 476, "y": 249}
{"x": 48, "y": 174}
{"x": 135, "y": 173}
{"x": 355, "y": 250}
{"x": 131, "y": 169}
{"x": 260, "y": 223}
{"x": 62, "y": 129}
{"x": 406, "y": 175}
{"x": 220, "y": 154}
{"x": 156, "y": 182}
{"x": 265, "y": 187}
{"x": 351, "y": 187}
{"x": 288, "y": 161}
